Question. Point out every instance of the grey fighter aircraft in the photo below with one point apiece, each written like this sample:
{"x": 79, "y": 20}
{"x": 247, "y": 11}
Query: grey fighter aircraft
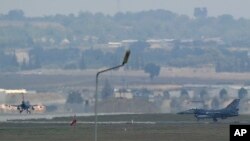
{"x": 24, "y": 106}
{"x": 230, "y": 111}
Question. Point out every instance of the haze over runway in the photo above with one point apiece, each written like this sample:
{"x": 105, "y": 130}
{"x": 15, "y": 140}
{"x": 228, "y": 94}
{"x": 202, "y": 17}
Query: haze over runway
{"x": 33, "y": 8}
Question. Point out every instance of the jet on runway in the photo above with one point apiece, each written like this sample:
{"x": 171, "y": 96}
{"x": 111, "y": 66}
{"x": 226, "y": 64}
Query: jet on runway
{"x": 230, "y": 111}
{"x": 24, "y": 106}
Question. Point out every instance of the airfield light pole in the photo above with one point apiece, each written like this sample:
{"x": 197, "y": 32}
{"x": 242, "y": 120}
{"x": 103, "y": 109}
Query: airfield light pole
{"x": 125, "y": 60}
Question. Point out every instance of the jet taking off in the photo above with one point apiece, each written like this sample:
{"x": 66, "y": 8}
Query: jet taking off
{"x": 230, "y": 111}
{"x": 25, "y": 106}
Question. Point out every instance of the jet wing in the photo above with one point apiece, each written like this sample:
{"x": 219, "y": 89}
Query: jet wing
{"x": 38, "y": 107}
{"x": 9, "y": 107}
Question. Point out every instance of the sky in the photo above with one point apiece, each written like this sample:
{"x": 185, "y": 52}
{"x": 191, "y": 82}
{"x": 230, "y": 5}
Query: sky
{"x": 32, "y": 8}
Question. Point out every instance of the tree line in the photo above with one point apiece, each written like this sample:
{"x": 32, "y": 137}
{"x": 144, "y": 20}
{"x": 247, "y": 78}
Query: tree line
{"x": 86, "y": 29}
{"x": 43, "y": 38}
{"x": 142, "y": 58}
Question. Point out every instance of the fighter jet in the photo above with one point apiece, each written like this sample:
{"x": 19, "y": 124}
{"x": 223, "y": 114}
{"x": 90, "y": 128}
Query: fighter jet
{"x": 230, "y": 111}
{"x": 24, "y": 106}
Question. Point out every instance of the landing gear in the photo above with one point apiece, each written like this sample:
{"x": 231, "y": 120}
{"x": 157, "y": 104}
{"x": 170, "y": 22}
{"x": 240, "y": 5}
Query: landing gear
{"x": 28, "y": 112}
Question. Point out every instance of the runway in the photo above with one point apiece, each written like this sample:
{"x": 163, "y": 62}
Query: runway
{"x": 16, "y": 116}
{"x": 23, "y": 116}
{"x": 48, "y": 118}
{"x": 112, "y": 130}
{"x": 133, "y": 127}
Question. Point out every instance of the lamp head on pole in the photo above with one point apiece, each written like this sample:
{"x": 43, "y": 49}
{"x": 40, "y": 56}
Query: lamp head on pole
{"x": 125, "y": 59}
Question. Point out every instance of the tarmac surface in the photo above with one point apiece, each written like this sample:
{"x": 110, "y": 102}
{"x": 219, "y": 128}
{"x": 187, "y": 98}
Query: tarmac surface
{"x": 113, "y": 127}
{"x": 23, "y": 116}
{"x": 47, "y": 118}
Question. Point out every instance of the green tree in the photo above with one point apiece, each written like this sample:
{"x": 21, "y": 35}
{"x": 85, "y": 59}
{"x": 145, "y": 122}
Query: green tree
{"x": 166, "y": 94}
{"x": 200, "y": 12}
{"x": 184, "y": 94}
{"x": 8, "y": 62}
{"x": 152, "y": 69}
{"x": 24, "y": 65}
{"x": 35, "y": 58}
{"x": 215, "y": 103}
{"x": 15, "y": 15}
{"x": 175, "y": 105}
{"x": 74, "y": 97}
{"x": 203, "y": 94}
{"x": 137, "y": 58}
{"x": 107, "y": 90}
{"x": 223, "y": 94}
{"x": 242, "y": 93}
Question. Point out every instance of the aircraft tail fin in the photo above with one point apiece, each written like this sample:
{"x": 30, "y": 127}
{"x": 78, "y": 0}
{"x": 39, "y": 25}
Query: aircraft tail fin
{"x": 234, "y": 105}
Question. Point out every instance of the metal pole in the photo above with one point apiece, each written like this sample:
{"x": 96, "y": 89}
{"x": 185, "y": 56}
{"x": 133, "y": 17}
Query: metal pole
{"x": 125, "y": 60}
{"x": 96, "y": 99}
{"x": 96, "y": 95}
